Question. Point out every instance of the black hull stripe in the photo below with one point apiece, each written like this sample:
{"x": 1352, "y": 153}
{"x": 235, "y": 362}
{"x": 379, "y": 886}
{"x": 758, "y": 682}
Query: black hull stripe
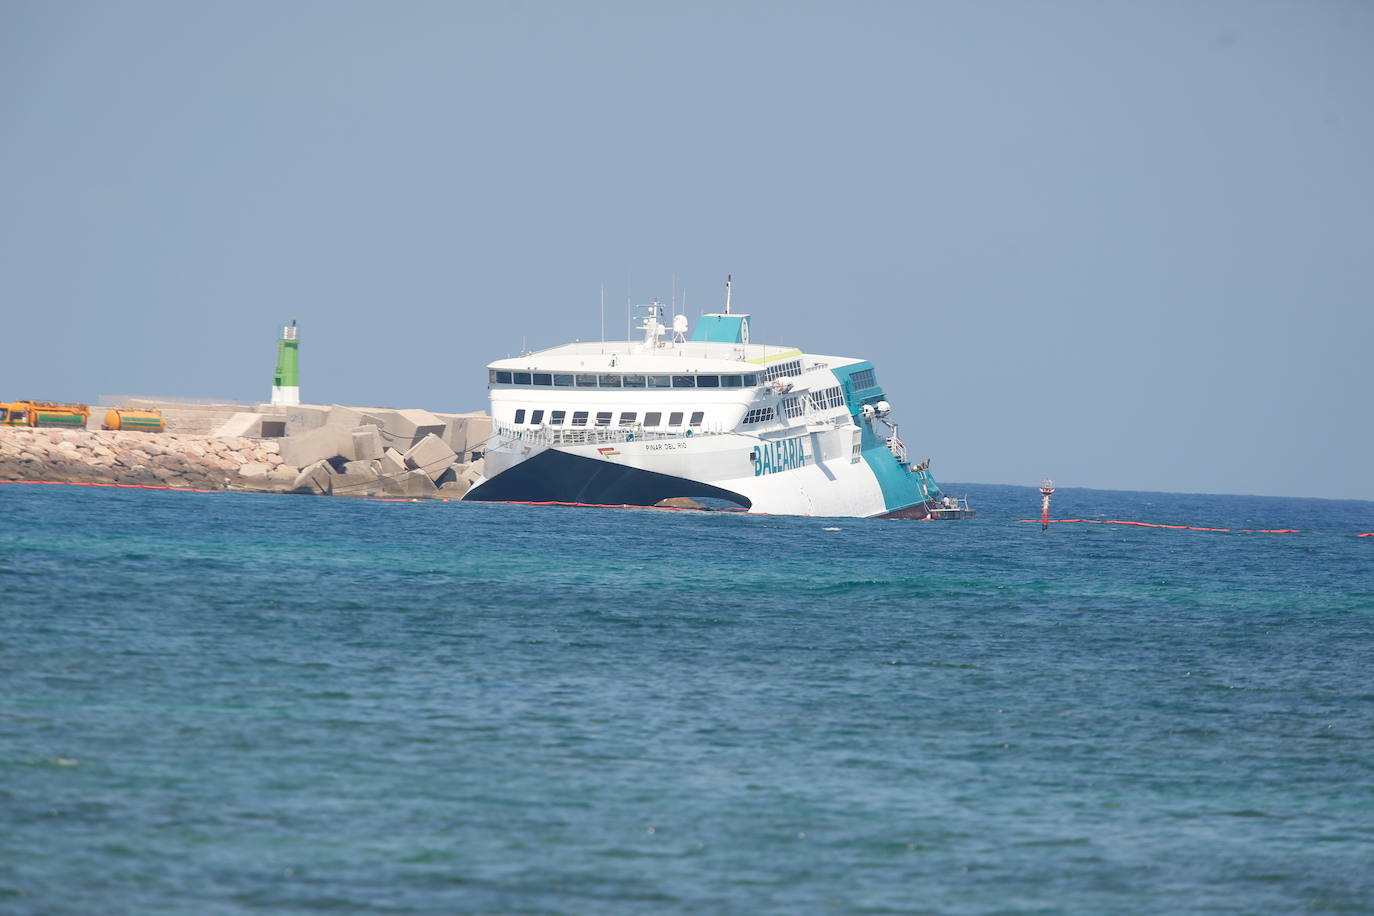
{"x": 555, "y": 476}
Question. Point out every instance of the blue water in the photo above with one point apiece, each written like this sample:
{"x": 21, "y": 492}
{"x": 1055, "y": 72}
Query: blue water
{"x": 222, "y": 703}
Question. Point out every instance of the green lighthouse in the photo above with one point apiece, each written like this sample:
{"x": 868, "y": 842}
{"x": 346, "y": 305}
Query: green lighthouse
{"x": 286, "y": 384}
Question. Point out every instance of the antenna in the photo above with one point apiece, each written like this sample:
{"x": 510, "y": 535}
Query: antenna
{"x": 603, "y": 315}
{"x": 674, "y": 300}
{"x": 727, "y": 294}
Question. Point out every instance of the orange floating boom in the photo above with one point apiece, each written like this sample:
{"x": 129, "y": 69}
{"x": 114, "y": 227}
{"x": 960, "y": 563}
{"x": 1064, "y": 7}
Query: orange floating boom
{"x": 1096, "y": 521}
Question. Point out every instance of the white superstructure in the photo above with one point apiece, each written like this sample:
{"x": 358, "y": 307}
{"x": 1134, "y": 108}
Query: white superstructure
{"x": 717, "y": 418}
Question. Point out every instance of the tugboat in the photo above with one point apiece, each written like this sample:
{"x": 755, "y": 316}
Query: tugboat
{"x": 717, "y": 418}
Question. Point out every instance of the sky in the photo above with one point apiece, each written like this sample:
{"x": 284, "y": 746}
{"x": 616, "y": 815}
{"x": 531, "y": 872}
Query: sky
{"x": 1124, "y": 245}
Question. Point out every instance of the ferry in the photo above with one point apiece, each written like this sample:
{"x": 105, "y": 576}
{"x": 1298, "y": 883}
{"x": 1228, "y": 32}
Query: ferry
{"x": 712, "y": 420}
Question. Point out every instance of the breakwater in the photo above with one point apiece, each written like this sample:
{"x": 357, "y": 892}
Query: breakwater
{"x": 354, "y": 462}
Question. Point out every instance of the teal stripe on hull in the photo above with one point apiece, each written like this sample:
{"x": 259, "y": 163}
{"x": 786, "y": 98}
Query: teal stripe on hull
{"x": 894, "y": 478}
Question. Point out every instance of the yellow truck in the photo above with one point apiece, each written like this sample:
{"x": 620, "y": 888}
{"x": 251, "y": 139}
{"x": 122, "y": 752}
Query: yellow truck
{"x": 44, "y": 413}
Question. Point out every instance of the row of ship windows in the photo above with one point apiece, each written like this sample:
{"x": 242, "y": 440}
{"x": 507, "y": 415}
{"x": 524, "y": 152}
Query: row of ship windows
{"x": 616, "y": 380}
{"x": 777, "y": 370}
{"x": 651, "y": 418}
{"x": 604, "y": 418}
{"x": 820, "y": 400}
{"x": 863, "y": 379}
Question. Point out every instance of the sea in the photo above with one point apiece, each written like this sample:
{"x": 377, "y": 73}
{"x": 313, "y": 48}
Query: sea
{"x": 237, "y": 703}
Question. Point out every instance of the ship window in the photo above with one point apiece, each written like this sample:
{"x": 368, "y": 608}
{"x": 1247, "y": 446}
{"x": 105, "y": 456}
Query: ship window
{"x": 863, "y": 379}
{"x": 522, "y": 378}
{"x": 536, "y": 417}
{"x": 708, "y": 381}
{"x": 562, "y": 381}
{"x": 751, "y": 379}
{"x": 697, "y": 417}
{"x": 758, "y": 415}
{"x": 634, "y": 381}
{"x": 610, "y": 381}
{"x": 777, "y": 370}
{"x": 556, "y": 417}
{"x": 543, "y": 378}
{"x": 675, "y": 418}
{"x": 732, "y": 381}
{"x": 491, "y": 376}
{"x": 627, "y": 419}
{"x": 603, "y": 418}
{"x": 684, "y": 381}
{"x": 792, "y": 407}
{"x": 579, "y": 418}
{"x": 827, "y": 398}
{"x": 502, "y": 377}
{"x": 586, "y": 381}
{"x": 520, "y": 416}
{"x": 660, "y": 381}
{"x": 653, "y": 419}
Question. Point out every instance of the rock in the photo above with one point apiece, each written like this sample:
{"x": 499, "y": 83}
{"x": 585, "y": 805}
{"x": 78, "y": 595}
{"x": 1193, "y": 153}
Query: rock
{"x": 253, "y": 470}
{"x": 431, "y": 456}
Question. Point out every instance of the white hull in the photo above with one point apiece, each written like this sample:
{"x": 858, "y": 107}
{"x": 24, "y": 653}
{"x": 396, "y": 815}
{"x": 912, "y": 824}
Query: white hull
{"x": 768, "y": 428}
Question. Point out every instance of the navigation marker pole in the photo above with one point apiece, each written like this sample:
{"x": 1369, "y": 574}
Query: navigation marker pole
{"x": 286, "y": 383}
{"x": 1046, "y": 488}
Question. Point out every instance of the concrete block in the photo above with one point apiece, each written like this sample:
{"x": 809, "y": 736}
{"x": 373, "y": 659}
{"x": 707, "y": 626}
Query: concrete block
{"x": 317, "y": 478}
{"x": 403, "y": 428}
{"x": 454, "y": 489}
{"x": 478, "y": 431}
{"x": 452, "y": 474}
{"x": 318, "y": 444}
{"x": 299, "y": 418}
{"x": 344, "y": 416}
{"x": 393, "y": 462}
{"x": 356, "y": 483}
{"x": 474, "y": 471}
{"x": 465, "y": 431}
{"x": 371, "y": 469}
{"x": 417, "y": 484}
{"x": 240, "y": 424}
{"x": 367, "y": 443}
{"x": 431, "y": 456}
